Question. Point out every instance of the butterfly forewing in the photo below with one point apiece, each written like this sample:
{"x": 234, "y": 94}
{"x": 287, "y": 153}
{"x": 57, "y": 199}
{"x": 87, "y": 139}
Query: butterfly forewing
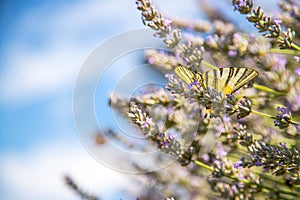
{"x": 188, "y": 76}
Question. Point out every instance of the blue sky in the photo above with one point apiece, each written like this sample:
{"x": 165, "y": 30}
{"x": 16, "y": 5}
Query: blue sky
{"x": 43, "y": 44}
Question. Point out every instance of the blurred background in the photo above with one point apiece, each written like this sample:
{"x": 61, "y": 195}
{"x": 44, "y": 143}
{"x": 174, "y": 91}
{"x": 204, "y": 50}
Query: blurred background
{"x": 43, "y": 45}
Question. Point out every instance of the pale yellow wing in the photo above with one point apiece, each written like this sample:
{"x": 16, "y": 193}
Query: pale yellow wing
{"x": 188, "y": 76}
{"x": 228, "y": 80}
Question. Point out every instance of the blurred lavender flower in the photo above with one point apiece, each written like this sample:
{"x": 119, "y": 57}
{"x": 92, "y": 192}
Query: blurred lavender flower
{"x": 297, "y": 71}
{"x": 277, "y": 21}
{"x": 244, "y": 6}
{"x": 178, "y": 119}
{"x": 232, "y": 53}
{"x": 220, "y": 150}
{"x": 264, "y": 23}
{"x": 83, "y": 194}
{"x": 239, "y": 163}
{"x": 155, "y": 20}
{"x": 284, "y": 118}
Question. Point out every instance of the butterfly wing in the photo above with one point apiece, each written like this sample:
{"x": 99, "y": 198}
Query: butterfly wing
{"x": 228, "y": 80}
{"x": 241, "y": 77}
{"x": 188, "y": 76}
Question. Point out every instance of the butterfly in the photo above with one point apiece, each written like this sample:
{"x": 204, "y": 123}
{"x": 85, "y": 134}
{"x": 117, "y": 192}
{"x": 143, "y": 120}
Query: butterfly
{"x": 226, "y": 80}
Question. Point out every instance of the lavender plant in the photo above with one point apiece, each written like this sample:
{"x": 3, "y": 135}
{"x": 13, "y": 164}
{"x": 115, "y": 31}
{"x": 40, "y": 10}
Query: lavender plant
{"x": 257, "y": 129}
{"x": 83, "y": 194}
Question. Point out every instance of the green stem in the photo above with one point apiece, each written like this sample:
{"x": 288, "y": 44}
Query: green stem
{"x": 295, "y": 46}
{"x": 209, "y": 65}
{"x": 269, "y": 116}
{"x": 262, "y": 114}
{"x": 201, "y": 164}
{"x": 294, "y": 123}
{"x": 284, "y": 51}
{"x": 266, "y": 89}
{"x": 205, "y": 166}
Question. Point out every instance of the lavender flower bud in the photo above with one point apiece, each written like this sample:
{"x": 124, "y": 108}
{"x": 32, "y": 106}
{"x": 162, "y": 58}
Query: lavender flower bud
{"x": 284, "y": 118}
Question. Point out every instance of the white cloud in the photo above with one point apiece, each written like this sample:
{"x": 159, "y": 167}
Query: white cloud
{"x": 64, "y": 39}
{"x": 38, "y": 73}
{"x": 38, "y": 173}
{"x": 52, "y": 43}
{"x": 77, "y": 17}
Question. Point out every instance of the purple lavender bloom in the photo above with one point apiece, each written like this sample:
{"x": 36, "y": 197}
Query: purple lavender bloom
{"x": 235, "y": 7}
{"x": 220, "y": 150}
{"x": 149, "y": 120}
{"x": 171, "y": 136}
{"x": 165, "y": 143}
{"x": 239, "y": 163}
{"x": 237, "y": 36}
{"x": 297, "y": 71}
{"x": 169, "y": 109}
{"x": 211, "y": 40}
{"x": 284, "y": 118}
{"x": 151, "y": 61}
{"x": 241, "y": 184}
{"x": 232, "y": 53}
{"x": 205, "y": 157}
{"x": 195, "y": 83}
{"x": 226, "y": 119}
{"x": 282, "y": 144}
{"x": 169, "y": 76}
{"x": 234, "y": 188}
{"x": 252, "y": 36}
{"x": 241, "y": 176}
{"x": 177, "y": 55}
{"x": 297, "y": 58}
{"x": 257, "y": 163}
{"x": 240, "y": 2}
{"x": 218, "y": 163}
{"x": 144, "y": 124}
{"x": 167, "y": 22}
{"x": 277, "y": 21}
{"x": 298, "y": 127}
{"x": 278, "y": 108}
{"x": 272, "y": 132}
{"x": 297, "y": 103}
{"x": 279, "y": 63}
{"x": 238, "y": 5}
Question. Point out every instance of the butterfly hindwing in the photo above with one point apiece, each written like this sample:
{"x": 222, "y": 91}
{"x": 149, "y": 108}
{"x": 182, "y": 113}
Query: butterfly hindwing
{"x": 220, "y": 79}
{"x": 242, "y": 77}
{"x": 228, "y": 80}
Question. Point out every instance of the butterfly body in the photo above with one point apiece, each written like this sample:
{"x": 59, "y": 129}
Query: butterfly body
{"x": 226, "y": 80}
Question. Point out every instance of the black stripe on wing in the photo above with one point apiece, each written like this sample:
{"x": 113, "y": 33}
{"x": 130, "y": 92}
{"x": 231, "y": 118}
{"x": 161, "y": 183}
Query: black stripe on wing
{"x": 188, "y": 76}
{"x": 247, "y": 76}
